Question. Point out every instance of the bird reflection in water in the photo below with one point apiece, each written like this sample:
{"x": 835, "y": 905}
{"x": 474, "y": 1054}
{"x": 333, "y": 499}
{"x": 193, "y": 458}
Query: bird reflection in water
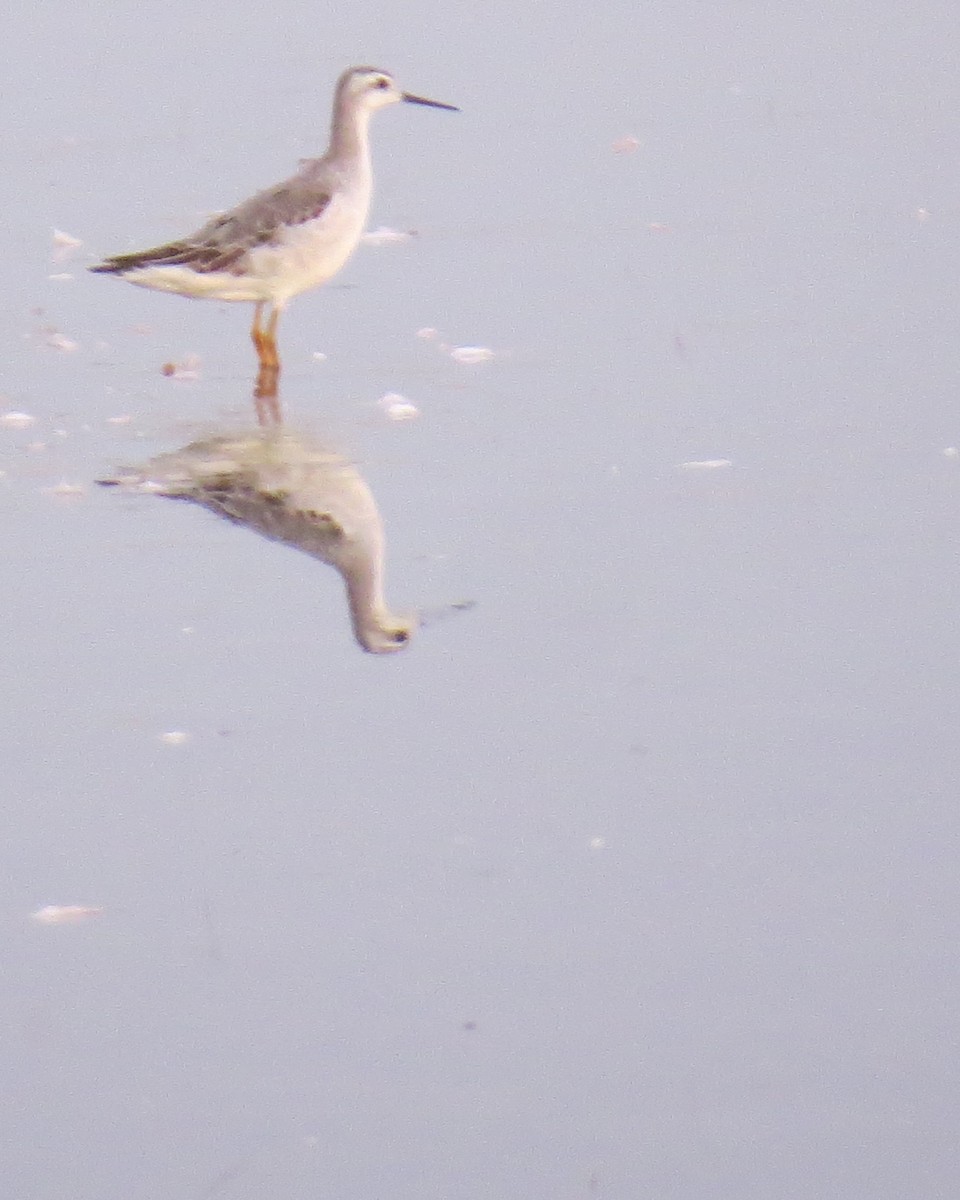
{"x": 291, "y": 489}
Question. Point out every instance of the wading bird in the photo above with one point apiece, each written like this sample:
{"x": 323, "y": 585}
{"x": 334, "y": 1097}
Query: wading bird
{"x": 288, "y": 238}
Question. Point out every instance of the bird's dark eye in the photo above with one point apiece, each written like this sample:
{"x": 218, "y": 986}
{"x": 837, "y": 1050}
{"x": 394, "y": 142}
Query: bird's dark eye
{"x": 382, "y": 83}
{"x": 400, "y": 637}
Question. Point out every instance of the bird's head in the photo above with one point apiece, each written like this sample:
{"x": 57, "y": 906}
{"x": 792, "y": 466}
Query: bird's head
{"x": 376, "y": 89}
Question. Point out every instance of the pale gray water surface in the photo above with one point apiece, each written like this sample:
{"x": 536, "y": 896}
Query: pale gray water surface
{"x": 639, "y": 880}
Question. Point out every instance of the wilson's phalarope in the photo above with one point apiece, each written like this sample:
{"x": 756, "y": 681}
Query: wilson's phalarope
{"x": 287, "y": 238}
{"x": 293, "y": 490}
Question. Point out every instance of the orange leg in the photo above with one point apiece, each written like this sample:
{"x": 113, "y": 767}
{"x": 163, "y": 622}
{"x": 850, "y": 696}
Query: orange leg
{"x": 265, "y": 393}
{"x": 256, "y": 332}
{"x": 274, "y": 357}
{"x": 265, "y": 339}
{"x": 261, "y": 339}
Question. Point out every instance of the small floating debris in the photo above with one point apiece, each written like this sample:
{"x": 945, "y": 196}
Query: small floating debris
{"x": 626, "y": 145}
{"x": 66, "y": 490}
{"x": 706, "y": 464}
{"x": 64, "y": 914}
{"x": 61, "y": 276}
{"x": 397, "y": 407}
{"x": 64, "y": 246}
{"x": 187, "y": 371}
{"x": 951, "y": 452}
{"x": 385, "y": 236}
{"x": 175, "y": 737}
{"x": 16, "y": 420}
{"x": 428, "y": 333}
{"x": 318, "y": 356}
{"x": 59, "y": 341}
{"x": 471, "y": 354}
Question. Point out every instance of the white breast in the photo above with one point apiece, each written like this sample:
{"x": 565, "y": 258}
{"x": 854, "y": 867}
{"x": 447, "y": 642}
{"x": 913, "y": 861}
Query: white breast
{"x": 309, "y": 254}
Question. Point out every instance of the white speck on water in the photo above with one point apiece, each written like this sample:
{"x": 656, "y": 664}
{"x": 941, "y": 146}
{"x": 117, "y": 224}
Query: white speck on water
{"x": 66, "y": 240}
{"x": 59, "y": 341}
{"x": 385, "y": 236}
{"x": 471, "y": 354}
{"x": 64, "y": 914}
{"x": 319, "y": 356}
{"x": 626, "y": 145}
{"x": 121, "y": 419}
{"x": 397, "y": 407}
{"x": 597, "y": 843}
{"x": 175, "y": 737}
{"x": 16, "y": 420}
{"x": 951, "y": 452}
{"x": 66, "y": 489}
{"x": 61, "y": 276}
{"x": 64, "y": 246}
{"x": 706, "y": 464}
{"x": 428, "y": 333}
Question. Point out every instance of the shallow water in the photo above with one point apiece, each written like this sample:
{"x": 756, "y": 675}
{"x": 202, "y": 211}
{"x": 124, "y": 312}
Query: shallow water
{"x": 639, "y": 878}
